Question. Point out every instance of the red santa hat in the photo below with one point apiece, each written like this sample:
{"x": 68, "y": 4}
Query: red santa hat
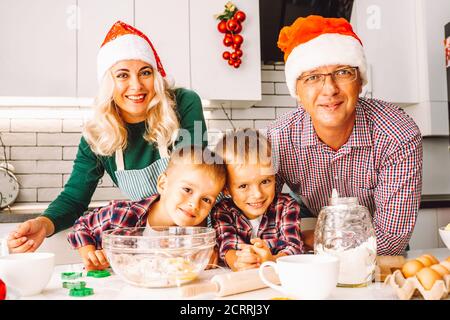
{"x": 124, "y": 42}
{"x": 316, "y": 41}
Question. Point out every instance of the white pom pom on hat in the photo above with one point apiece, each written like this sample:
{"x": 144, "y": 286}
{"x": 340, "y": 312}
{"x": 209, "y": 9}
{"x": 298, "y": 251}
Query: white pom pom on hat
{"x": 316, "y": 41}
{"x": 124, "y": 42}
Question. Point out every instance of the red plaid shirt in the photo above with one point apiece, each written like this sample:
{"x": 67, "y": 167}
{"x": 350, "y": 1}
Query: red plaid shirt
{"x": 381, "y": 164}
{"x": 118, "y": 214}
{"x": 279, "y": 227}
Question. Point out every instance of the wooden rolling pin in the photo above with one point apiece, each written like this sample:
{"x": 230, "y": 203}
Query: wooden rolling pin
{"x": 231, "y": 283}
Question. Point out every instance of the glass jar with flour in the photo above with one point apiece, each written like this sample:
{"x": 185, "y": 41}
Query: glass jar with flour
{"x": 344, "y": 229}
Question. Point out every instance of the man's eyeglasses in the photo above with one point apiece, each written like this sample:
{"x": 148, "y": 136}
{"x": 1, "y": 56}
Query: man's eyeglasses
{"x": 339, "y": 76}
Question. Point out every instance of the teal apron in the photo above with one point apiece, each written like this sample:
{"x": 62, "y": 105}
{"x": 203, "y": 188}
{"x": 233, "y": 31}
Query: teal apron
{"x": 140, "y": 183}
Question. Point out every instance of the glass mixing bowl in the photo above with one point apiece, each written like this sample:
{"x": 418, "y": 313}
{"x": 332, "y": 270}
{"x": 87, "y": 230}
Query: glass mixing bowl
{"x": 159, "y": 256}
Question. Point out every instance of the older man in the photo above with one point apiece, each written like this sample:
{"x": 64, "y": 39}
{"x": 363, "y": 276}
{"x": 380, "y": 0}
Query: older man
{"x": 365, "y": 148}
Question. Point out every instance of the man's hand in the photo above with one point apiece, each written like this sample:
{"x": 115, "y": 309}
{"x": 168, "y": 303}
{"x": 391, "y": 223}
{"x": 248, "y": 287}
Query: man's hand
{"x": 29, "y": 235}
{"x": 93, "y": 259}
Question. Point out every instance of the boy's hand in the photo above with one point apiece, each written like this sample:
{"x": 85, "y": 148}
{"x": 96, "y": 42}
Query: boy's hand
{"x": 93, "y": 259}
{"x": 247, "y": 258}
{"x": 214, "y": 260}
{"x": 261, "y": 248}
{"x": 308, "y": 239}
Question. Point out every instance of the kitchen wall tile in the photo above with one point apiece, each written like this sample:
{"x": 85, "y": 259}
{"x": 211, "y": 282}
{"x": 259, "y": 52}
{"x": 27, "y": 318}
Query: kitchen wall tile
{"x": 281, "y": 89}
{"x": 267, "y": 88}
{"x": 36, "y": 125}
{"x": 216, "y": 114}
{"x": 69, "y": 153}
{"x": 46, "y": 113}
{"x": 262, "y": 124}
{"x": 72, "y": 125}
{"x": 25, "y": 167}
{"x": 279, "y": 67}
{"x": 36, "y": 153}
{"x": 425, "y": 232}
{"x": 225, "y": 124}
{"x": 5, "y": 125}
{"x": 275, "y": 76}
{"x": 281, "y": 111}
{"x": 107, "y": 194}
{"x": 54, "y": 167}
{"x": 276, "y": 101}
{"x": 27, "y": 195}
{"x": 4, "y": 150}
{"x": 253, "y": 113}
{"x": 39, "y": 180}
{"x": 58, "y": 139}
{"x": 48, "y": 194}
{"x": 19, "y": 139}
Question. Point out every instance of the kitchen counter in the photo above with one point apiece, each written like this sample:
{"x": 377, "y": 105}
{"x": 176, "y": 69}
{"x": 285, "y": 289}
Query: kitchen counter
{"x": 23, "y": 211}
{"x": 113, "y": 287}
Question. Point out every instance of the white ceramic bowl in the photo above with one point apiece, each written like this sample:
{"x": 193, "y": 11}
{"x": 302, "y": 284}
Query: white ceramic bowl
{"x": 27, "y": 273}
{"x": 164, "y": 257}
{"x": 445, "y": 236}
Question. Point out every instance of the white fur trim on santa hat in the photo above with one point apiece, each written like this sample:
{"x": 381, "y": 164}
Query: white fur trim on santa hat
{"x": 126, "y": 47}
{"x": 326, "y": 49}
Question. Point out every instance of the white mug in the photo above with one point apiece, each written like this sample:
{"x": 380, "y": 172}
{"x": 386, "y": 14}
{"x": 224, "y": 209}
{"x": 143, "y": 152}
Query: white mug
{"x": 27, "y": 273}
{"x": 304, "y": 276}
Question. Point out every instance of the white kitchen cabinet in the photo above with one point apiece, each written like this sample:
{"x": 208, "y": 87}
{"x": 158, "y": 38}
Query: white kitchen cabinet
{"x": 38, "y": 48}
{"x": 212, "y": 78}
{"x": 387, "y": 30}
{"x": 166, "y": 23}
{"x": 49, "y": 47}
{"x": 403, "y": 42}
{"x": 96, "y": 18}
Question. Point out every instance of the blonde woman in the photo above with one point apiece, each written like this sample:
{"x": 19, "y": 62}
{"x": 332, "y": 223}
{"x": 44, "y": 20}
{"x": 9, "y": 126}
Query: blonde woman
{"x": 138, "y": 119}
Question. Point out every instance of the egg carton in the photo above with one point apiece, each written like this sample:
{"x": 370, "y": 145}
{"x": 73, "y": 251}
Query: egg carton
{"x": 407, "y": 288}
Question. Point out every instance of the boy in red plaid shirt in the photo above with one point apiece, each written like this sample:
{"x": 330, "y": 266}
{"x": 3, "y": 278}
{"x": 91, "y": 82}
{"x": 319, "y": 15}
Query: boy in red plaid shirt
{"x": 255, "y": 224}
{"x": 187, "y": 191}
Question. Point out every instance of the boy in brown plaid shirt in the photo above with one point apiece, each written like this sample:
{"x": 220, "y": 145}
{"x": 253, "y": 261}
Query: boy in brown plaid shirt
{"x": 255, "y": 224}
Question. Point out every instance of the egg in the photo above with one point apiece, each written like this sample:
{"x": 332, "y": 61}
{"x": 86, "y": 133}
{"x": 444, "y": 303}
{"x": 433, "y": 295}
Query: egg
{"x": 440, "y": 269}
{"x": 427, "y": 277}
{"x": 425, "y": 261}
{"x": 446, "y": 264}
{"x": 411, "y": 267}
{"x": 432, "y": 258}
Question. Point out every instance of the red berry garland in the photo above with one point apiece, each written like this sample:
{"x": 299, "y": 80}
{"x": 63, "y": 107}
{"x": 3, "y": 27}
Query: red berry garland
{"x": 231, "y": 25}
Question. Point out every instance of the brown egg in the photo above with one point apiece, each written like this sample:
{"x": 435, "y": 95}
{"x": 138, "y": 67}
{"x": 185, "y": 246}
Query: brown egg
{"x": 428, "y": 277}
{"x": 432, "y": 258}
{"x": 440, "y": 269}
{"x": 446, "y": 264}
{"x": 411, "y": 267}
{"x": 425, "y": 261}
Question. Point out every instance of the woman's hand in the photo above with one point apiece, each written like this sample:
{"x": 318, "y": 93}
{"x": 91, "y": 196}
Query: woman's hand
{"x": 93, "y": 259}
{"x": 29, "y": 235}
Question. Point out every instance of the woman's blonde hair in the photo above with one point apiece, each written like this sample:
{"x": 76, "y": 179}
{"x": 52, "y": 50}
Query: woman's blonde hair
{"x": 106, "y": 131}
